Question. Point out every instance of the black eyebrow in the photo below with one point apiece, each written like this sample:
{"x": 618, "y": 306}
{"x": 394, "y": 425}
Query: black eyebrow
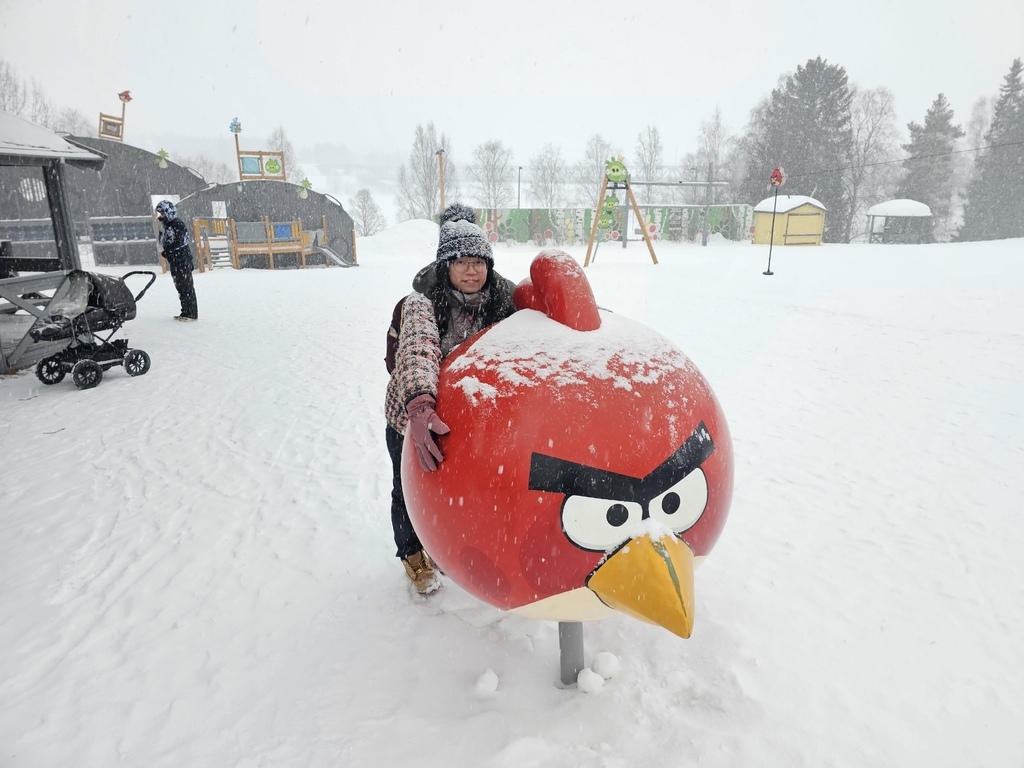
{"x": 548, "y": 473}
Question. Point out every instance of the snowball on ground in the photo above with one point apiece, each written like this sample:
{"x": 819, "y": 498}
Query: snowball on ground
{"x": 606, "y": 664}
{"x": 589, "y": 681}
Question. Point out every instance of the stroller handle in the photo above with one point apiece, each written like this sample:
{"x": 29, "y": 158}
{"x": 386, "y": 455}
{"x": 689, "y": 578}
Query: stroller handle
{"x": 152, "y": 279}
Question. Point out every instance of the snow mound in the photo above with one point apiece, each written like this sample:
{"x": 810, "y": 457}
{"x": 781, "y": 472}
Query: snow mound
{"x": 413, "y": 236}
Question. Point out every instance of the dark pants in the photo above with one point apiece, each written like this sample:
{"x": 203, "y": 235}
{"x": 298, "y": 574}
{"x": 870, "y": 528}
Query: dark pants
{"x": 406, "y": 540}
{"x": 181, "y": 272}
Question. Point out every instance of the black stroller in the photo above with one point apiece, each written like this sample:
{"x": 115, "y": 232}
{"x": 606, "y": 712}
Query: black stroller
{"x": 92, "y": 303}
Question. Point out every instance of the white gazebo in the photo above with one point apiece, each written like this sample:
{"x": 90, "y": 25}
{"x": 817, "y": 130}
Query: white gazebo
{"x": 897, "y": 221}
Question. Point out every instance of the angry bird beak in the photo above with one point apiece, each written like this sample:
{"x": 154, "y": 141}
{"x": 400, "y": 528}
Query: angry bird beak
{"x": 649, "y": 579}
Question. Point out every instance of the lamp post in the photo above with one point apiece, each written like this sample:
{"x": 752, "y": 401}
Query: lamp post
{"x": 440, "y": 171}
{"x": 519, "y": 189}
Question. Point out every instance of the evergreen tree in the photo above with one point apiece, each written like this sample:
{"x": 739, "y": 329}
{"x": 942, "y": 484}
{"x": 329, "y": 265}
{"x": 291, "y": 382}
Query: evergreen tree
{"x": 995, "y": 198}
{"x": 804, "y": 127}
{"x": 929, "y": 175}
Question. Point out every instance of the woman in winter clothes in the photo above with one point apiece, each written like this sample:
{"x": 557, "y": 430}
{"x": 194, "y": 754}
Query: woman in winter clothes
{"x": 457, "y": 296}
{"x": 174, "y": 241}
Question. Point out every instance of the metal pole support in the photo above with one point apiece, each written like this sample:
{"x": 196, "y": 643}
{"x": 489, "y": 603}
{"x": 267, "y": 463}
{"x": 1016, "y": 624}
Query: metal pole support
{"x": 570, "y": 646}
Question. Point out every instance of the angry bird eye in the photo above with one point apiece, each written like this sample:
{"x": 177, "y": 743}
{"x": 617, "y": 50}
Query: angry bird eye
{"x": 681, "y": 506}
{"x": 599, "y": 524}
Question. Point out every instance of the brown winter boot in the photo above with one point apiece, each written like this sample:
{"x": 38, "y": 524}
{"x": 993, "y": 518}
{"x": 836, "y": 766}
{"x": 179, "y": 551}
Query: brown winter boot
{"x": 422, "y": 573}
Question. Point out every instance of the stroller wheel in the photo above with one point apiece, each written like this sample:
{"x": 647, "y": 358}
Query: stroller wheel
{"x": 86, "y": 374}
{"x": 136, "y": 362}
{"x": 50, "y": 371}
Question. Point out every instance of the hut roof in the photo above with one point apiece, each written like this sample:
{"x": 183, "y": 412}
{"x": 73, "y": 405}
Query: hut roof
{"x": 900, "y": 208}
{"x": 22, "y": 142}
{"x": 786, "y": 203}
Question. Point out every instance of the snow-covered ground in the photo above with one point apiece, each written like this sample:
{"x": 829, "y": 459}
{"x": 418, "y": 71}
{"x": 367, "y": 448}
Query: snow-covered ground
{"x": 196, "y": 565}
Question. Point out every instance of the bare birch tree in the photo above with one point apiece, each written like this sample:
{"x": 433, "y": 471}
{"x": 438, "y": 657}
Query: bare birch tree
{"x": 366, "y": 214}
{"x": 871, "y": 173}
{"x": 279, "y": 142}
{"x": 714, "y": 146}
{"x": 586, "y": 175}
{"x": 548, "y": 174}
{"x": 28, "y": 100}
{"x": 211, "y": 170}
{"x": 13, "y": 95}
{"x": 981, "y": 120}
{"x": 492, "y": 175}
{"x": 419, "y": 189}
{"x": 649, "y": 165}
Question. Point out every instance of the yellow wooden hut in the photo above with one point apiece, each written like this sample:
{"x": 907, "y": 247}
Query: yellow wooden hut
{"x": 799, "y": 220}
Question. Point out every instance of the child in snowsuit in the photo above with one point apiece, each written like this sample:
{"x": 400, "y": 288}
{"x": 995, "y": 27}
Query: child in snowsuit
{"x": 174, "y": 242}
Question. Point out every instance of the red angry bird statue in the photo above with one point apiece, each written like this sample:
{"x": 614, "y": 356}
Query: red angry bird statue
{"x": 588, "y": 468}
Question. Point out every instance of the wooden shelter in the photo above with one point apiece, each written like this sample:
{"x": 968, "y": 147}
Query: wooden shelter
{"x": 900, "y": 221}
{"x": 798, "y": 220}
{"x": 51, "y": 250}
{"x": 24, "y": 144}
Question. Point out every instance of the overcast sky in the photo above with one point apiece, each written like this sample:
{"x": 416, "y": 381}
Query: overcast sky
{"x": 364, "y": 74}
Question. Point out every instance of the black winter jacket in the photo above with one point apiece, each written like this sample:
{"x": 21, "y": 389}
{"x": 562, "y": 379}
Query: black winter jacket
{"x": 174, "y": 240}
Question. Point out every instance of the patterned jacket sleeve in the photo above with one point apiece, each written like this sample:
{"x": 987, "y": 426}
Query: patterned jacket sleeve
{"x": 417, "y": 361}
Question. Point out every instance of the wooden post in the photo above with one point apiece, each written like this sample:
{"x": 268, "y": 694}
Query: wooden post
{"x": 238, "y": 158}
{"x": 597, "y": 214}
{"x": 270, "y": 240}
{"x": 355, "y": 257}
{"x": 640, "y": 218}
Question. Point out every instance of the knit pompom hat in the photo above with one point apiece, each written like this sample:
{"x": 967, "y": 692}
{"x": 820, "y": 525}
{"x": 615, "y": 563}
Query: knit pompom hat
{"x": 463, "y": 238}
{"x": 456, "y": 212}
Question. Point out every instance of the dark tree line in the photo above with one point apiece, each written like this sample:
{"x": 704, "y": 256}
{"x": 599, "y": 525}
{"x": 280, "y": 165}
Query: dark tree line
{"x": 995, "y": 197}
{"x": 804, "y": 126}
{"x": 836, "y": 144}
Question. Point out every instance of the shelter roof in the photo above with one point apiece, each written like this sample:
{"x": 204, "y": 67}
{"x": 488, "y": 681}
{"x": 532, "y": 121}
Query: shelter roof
{"x": 900, "y": 208}
{"x": 786, "y": 203}
{"x": 23, "y": 142}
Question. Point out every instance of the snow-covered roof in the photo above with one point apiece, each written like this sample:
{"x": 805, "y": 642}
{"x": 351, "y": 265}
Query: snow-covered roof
{"x": 22, "y": 140}
{"x": 902, "y": 207}
{"x": 786, "y": 203}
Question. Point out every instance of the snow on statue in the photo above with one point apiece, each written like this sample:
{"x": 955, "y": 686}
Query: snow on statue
{"x": 588, "y": 467}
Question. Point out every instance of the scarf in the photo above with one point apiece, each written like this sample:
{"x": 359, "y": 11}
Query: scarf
{"x": 467, "y": 317}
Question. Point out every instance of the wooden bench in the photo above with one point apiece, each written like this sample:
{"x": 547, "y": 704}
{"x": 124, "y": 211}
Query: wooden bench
{"x": 270, "y": 239}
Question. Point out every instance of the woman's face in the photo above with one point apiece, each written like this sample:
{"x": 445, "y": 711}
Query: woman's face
{"x": 468, "y": 274}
